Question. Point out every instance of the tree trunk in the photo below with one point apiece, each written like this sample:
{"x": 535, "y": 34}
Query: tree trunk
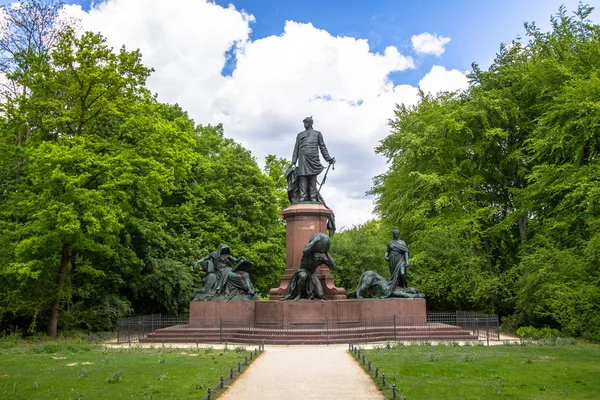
{"x": 20, "y": 130}
{"x": 486, "y": 244}
{"x": 62, "y": 274}
{"x": 523, "y": 228}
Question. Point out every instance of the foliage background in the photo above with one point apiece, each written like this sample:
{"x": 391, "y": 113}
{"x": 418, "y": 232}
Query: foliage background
{"x": 108, "y": 196}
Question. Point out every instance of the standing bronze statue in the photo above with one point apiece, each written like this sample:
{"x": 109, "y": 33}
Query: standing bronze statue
{"x": 395, "y": 287}
{"x": 306, "y": 153}
{"x": 397, "y": 257}
{"x": 305, "y": 282}
{"x": 226, "y": 277}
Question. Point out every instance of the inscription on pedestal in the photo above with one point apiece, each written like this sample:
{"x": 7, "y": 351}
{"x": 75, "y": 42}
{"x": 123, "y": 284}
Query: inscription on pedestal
{"x": 306, "y": 228}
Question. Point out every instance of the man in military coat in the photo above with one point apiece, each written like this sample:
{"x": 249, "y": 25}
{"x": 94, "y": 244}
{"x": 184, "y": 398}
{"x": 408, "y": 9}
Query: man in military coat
{"x": 306, "y": 153}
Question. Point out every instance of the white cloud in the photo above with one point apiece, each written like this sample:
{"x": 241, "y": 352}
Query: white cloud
{"x": 277, "y": 81}
{"x": 439, "y": 79}
{"x": 426, "y": 43}
{"x": 2, "y": 18}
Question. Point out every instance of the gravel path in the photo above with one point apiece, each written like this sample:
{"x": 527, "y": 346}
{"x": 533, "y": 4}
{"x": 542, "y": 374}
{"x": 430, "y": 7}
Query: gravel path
{"x": 304, "y": 372}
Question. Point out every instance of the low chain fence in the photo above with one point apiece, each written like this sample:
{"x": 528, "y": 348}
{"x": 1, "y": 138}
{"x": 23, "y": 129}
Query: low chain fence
{"x": 226, "y": 380}
{"x": 157, "y": 328}
{"x": 375, "y": 374}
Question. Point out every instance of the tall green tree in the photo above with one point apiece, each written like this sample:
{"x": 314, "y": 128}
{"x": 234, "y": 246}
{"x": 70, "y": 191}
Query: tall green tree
{"x": 107, "y": 196}
{"x": 98, "y": 148}
{"x": 497, "y": 187}
{"x": 560, "y": 274}
{"x": 228, "y": 199}
{"x": 275, "y": 168}
{"x": 440, "y": 192}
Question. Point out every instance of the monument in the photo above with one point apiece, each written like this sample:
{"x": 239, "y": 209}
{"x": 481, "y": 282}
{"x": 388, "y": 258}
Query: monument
{"x": 307, "y": 300}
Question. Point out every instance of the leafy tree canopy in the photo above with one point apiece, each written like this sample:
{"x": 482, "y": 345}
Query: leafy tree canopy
{"x": 497, "y": 187}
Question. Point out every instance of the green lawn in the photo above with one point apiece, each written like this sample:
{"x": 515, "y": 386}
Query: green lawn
{"x": 530, "y": 371}
{"x": 68, "y": 370}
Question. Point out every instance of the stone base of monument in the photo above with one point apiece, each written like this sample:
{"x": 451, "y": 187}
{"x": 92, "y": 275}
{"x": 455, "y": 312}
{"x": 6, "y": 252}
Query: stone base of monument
{"x": 308, "y": 322}
{"x": 302, "y": 221}
{"x": 339, "y": 310}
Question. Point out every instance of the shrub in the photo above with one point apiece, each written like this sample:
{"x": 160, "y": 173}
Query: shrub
{"x": 530, "y": 332}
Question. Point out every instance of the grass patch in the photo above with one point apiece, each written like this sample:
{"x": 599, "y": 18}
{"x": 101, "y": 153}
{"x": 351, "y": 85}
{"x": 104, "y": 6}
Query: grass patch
{"x": 70, "y": 369}
{"x": 513, "y": 372}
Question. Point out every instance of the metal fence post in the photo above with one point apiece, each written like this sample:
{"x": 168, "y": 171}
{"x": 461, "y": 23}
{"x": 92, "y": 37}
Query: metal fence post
{"x": 239, "y": 366}
{"x": 394, "y": 391}
{"x": 376, "y": 372}
{"x": 230, "y": 373}
{"x": 383, "y": 381}
{"x": 496, "y": 327}
{"x": 221, "y": 381}
{"x": 487, "y": 330}
{"x": 209, "y": 392}
{"x": 369, "y": 365}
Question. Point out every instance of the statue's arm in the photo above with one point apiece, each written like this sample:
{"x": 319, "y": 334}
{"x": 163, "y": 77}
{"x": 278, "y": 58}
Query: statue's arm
{"x": 323, "y": 148}
{"x": 200, "y": 262}
{"x": 295, "y": 154}
{"x": 387, "y": 253}
{"x": 330, "y": 262}
{"x": 406, "y": 257}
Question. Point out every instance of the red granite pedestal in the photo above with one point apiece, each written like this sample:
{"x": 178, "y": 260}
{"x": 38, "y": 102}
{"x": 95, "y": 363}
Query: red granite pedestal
{"x": 302, "y": 221}
{"x": 309, "y": 322}
{"x": 338, "y": 311}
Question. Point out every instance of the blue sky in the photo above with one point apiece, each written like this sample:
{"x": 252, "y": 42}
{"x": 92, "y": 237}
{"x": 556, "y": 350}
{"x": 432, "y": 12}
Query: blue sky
{"x": 326, "y": 70}
{"x": 476, "y": 27}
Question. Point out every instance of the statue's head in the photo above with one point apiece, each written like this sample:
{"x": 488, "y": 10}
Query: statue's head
{"x": 308, "y": 122}
{"x": 223, "y": 249}
{"x": 396, "y": 233}
{"x": 318, "y": 243}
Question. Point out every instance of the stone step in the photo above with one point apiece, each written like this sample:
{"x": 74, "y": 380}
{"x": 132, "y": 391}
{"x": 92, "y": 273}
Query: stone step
{"x": 307, "y": 327}
{"x": 200, "y": 333}
{"x": 434, "y": 331}
{"x": 284, "y": 341}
